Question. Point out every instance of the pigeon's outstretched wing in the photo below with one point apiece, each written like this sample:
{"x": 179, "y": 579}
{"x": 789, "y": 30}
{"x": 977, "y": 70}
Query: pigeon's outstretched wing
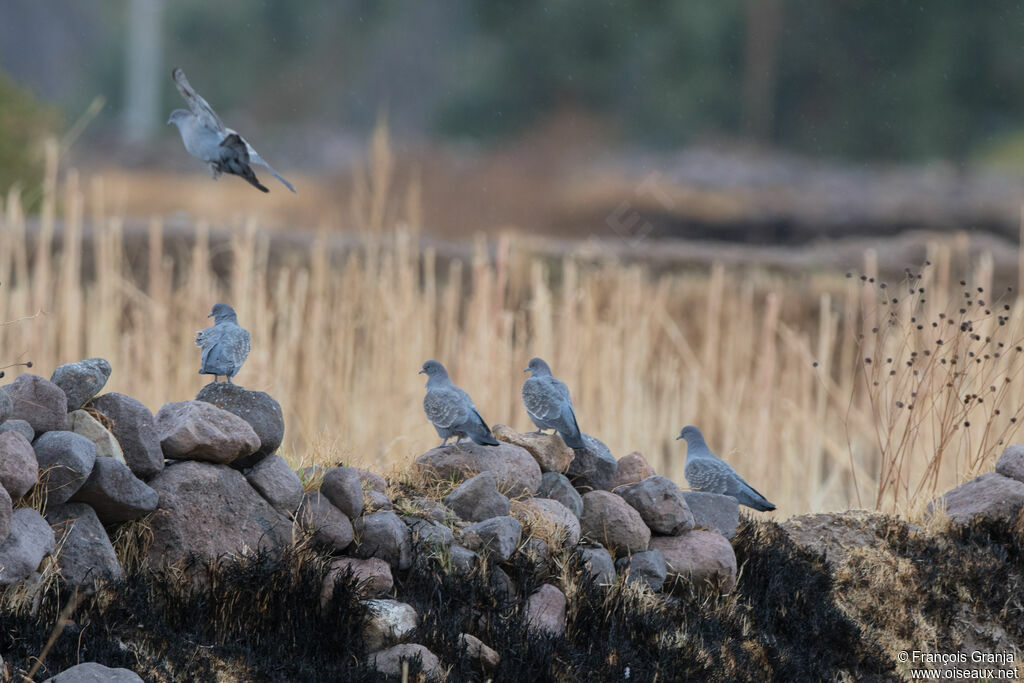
{"x": 714, "y": 475}
{"x": 201, "y": 109}
{"x": 235, "y": 159}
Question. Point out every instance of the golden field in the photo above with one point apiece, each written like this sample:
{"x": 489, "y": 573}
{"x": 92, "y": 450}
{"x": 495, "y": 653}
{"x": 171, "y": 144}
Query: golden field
{"x": 770, "y": 365}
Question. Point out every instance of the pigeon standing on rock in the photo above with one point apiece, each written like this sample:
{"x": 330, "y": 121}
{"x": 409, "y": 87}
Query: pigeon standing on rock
{"x": 207, "y": 138}
{"x": 548, "y": 404}
{"x": 705, "y": 471}
{"x": 451, "y": 410}
{"x": 225, "y": 345}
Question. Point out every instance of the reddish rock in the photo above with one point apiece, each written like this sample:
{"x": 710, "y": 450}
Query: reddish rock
{"x": 19, "y": 470}
{"x": 714, "y": 511}
{"x": 373, "y": 576}
{"x": 133, "y": 427}
{"x": 115, "y": 493}
{"x": 609, "y": 520}
{"x": 330, "y": 527}
{"x": 210, "y": 510}
{"x": 389, "y": 662}
{"x": 632, "y": 468}
{"x": 344, "y": 489}
{"x": 698, "y": 556}
{"x": 478, "y": 652}
{"x": 517, "y": 472}
{"x": 545, "y": 610}
{"x": 196, "y": 430}
{"x": 548, "y": 450}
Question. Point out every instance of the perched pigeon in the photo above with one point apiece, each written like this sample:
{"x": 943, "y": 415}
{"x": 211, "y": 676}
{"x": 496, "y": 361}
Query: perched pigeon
{"x": 705, "y": 471}
{"x": 225, "y": 345}
{"x": 206, "y": 137}
{"x": 548, "y": 404}
{"x": 451, "y": 410}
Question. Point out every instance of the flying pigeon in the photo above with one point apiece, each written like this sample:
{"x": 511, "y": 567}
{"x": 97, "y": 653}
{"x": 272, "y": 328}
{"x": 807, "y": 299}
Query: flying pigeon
{"x": 548, "y": 404}
{"x": 207, "y": 138}
{"x": 707, "y": 472}
{"x": 225, "y": 345}
{"x": 451, "y": 410}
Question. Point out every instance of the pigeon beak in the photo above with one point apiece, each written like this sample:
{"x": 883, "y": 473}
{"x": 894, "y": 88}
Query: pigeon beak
{"x": 210, "y": 316}
{"x": 422, "y": 372}
{"x": 526, "y": 370}
{"x": 679, "y": 437}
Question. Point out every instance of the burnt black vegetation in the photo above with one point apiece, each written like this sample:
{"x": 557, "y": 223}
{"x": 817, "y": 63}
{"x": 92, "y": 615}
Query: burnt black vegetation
{"x": 260, "y": 618}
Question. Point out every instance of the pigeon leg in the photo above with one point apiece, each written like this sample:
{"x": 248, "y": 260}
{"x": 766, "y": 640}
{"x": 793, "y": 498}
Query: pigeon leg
{"x": 214, "y": 379}
{"x": 229, "y": 379}
{"x": 445, "y": 442}
{"x": 538, "y": 431}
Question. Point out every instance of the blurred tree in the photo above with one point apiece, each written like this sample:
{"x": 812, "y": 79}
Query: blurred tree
{"x": 24, "y": 123}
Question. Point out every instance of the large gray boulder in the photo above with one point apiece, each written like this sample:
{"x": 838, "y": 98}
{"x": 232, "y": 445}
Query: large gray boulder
{"x": 92, "y": 672}
{"x": 277, "y": 483}
{"x": 330, "y": 527}
{"x": 344, "y": 489}
{"x": 477, "y": 498}
{"x": 517, "y": 472}
{"x": 257, "y": 408}
{"x": 990, "y": 496}
{"x": 82, "y": 380}
{"x": 497, "y": 537}
{"x": 86, "y": 554}
{"x": 115, "y": 493}
{"x": 698, "y": 556}
{"x": 661, "y": 505}
{"x": 609, "y": 520}
{"x": 21, "y": 553}
{"x": 133, "y": 427}
{"x": 384, "y": 535}
{"x": 19, "y": 470}
{"x": 558, "y": 487}
{"x": 195, "y": 430}
{"x": 209, "y": 511}
{"x": 38, "y": 401}
{"x": 65, "y": 461}
{"x": 592, "y": 468}
{"x": 714, "y": 511}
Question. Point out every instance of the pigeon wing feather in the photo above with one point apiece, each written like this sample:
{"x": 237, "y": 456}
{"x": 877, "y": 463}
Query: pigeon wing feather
{"x": 202, "y": 110}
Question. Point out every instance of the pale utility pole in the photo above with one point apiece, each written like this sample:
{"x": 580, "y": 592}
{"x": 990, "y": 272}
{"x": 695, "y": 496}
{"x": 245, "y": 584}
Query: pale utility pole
{"x": 143, "y": 64}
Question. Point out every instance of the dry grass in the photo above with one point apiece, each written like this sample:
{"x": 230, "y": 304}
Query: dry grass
{"x": 338, "y": 337}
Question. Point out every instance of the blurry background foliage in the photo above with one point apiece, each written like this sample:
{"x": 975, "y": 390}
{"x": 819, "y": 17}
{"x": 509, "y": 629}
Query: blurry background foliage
{"x": 21, "y": 158}
{"x": 894, "y": 80}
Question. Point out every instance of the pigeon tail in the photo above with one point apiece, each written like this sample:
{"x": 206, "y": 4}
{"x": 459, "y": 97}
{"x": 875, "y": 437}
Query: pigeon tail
{"x": 573, "y": 440}
{"x": 479, "y": 432}
{"x": 754, "y": 500}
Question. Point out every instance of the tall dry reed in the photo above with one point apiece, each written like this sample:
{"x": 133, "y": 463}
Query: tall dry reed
{"x": 770, "y": 366}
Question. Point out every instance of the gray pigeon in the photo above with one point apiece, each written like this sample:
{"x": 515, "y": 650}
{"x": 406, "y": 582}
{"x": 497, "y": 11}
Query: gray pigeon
{"x": 451, "y": 410}
{"x": 225, "y": 345}
{"x": 548, "y": 404}
{"x": 206, "y": 137}
{"x": 705, "y": 471}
